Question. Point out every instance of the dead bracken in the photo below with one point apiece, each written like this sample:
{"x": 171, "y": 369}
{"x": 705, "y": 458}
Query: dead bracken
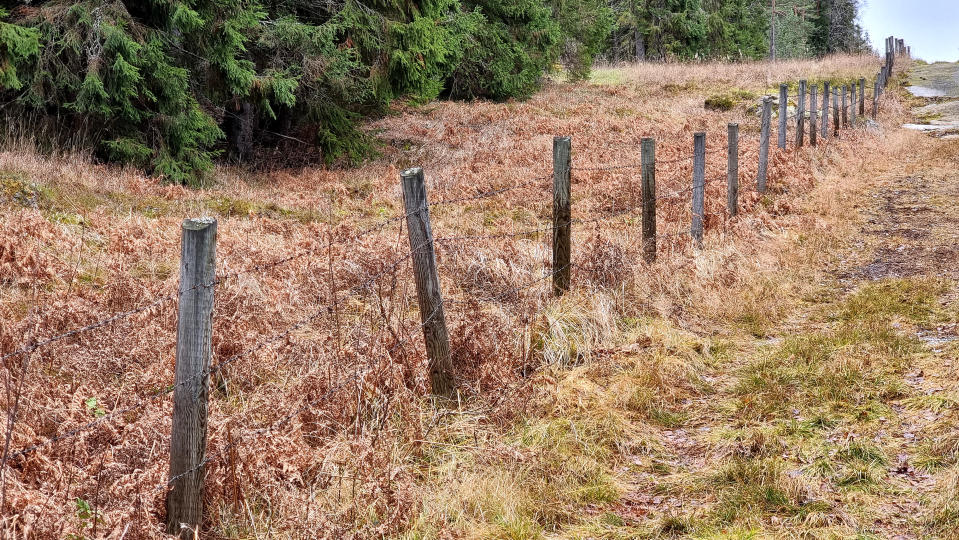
{"x": 740, "y": 388}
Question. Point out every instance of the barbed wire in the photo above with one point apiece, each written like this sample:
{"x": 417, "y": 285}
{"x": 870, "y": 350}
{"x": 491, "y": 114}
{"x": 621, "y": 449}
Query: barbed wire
{"x": 515, "y": 289}
{"x": 262, "y": 267}
{"x": 357, "y": 375}
{"x": 633, "y": 165}
{"x": 90, "y": 327}
{"x": 444, "y": 240}
{"x": 493, "y": 192}
{"x": 674, "y": 195}
{"x": 257, "y": 268}
{"x": 391, "y": 268}
{"x": 210, "y": 458}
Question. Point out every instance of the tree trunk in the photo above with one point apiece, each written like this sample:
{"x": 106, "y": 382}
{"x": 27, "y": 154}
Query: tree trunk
{"x": 772, "y": 31}
{"x": 615, "y": 57}
{"x": 238, "y": 128}
{"x": 640, "y": 45}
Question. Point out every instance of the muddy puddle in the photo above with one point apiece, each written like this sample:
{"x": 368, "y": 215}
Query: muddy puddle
{"x": 938, "y": 82}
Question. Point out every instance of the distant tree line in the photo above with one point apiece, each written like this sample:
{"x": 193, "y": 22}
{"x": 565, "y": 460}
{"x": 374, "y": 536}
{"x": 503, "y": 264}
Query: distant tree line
{"x": 170, "y": 86}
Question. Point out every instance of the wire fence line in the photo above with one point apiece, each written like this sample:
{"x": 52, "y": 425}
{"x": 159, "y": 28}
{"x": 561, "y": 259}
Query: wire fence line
{"x": 213, "y": 369}
{"x": 264, "y": 267}
{"x": 419, "y": 255}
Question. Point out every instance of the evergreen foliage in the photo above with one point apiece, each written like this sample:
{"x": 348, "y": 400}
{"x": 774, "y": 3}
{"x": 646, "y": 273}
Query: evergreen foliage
{"x": 585, "y": 26}
{"x": 732, "y": 29}
{"x": 173, "y": 85}
{"x": 836, "y": 29}
{"x": 515, "y": 43}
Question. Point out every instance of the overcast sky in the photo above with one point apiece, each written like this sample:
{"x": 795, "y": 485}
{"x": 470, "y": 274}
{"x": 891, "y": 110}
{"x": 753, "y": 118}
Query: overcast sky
{"x": 931, "y": 27}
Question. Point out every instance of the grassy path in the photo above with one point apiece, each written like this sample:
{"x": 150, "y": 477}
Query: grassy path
{"x": 810, "y": 392}
{"x": 842, "y": 422}
{"x": 835, "y": 417}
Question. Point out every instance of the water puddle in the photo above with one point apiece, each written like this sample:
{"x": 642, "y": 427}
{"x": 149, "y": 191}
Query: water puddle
{"x": 942, "y": 130}
{"x": 925, "y": 92}
{"x": 924, "y": 127}
{"x": 936, "y": 341}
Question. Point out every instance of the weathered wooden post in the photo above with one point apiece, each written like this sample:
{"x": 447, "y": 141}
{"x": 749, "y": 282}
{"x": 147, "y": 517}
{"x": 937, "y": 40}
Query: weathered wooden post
{"x": 766, "y": 127}
{"x": 699, "y": 186}
{"x": 194, "y": 351}
{"x": 783, "y": 113}
{"x": 813, "y": 114}
{"x": 732, "y": 169}
{"x": 875, "y": 100}
{"x": 801, "y": 114}
{"x": 562, "y": 222}
{"x": 835, "y": 111}
{"x": 649, "y": 198}
{"x": 845, "y": 107}
{"x": 428, "y": 292}
{"x": 852, "y": 106}
{"x": 862, "y": 98}
{"x": 825, "y": 111}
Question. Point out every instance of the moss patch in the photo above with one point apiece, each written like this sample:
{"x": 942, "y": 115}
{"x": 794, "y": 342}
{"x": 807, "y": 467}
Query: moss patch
{"x": 727, "y": 101}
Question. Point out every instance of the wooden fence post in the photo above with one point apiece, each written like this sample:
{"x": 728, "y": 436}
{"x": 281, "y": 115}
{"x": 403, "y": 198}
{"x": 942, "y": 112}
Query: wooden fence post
{"x": 766, "y": 127}
{"x": 825, "y": 110}
{"x": 835, "y": 111}
{"x": 845, "y": 107}
{"x": 194, "y": 350}
{"x": 428, "y": 292}
{"x": 732, "y": 169}
{"x": 852, "y": 106}
{"x": 562, "y": 149}
{"x": 813, "y": 114}
{"x": 875, "y": 100}
{"x": 649, "y": 198}
{"x": 783, "y": 113}
{"x": 801, "y": 115}
{"x": 862, "y": 98}
{"x": 699, "y": 186}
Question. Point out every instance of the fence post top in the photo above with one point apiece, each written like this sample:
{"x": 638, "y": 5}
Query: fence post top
{"x": 411, "y": 172}
{"x": 199, "y": 223}
{"x": 562, "y": 138}
{"x": 733, "y": 124}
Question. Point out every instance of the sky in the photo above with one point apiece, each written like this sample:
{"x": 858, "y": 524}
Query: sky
{"x": 930, "y": 27}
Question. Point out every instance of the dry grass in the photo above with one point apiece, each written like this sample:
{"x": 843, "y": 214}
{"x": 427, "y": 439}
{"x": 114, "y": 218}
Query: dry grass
{"x": 676, "y": 77}
{"x": 626, "y": 361}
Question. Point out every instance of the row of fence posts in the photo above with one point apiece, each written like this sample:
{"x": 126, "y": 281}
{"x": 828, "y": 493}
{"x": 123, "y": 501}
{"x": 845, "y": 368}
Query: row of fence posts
{"x": 198, "y": 264}
{"x": 894, "y": 49}
{"x": 848, "y": 104}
